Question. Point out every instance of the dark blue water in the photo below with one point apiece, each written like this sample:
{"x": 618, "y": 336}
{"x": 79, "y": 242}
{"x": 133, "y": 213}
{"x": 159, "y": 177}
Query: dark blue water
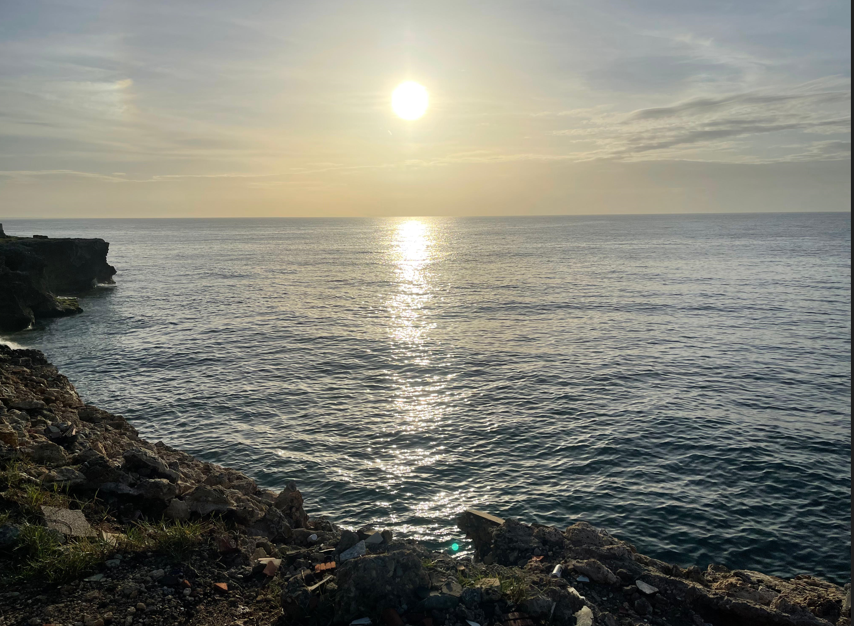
{"x": 683, "y": 381}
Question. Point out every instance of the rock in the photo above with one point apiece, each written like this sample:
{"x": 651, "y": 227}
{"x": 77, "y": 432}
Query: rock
{"x": 8, "y": 436}
{"x": 584, "y": 617}
{"x": 471, "y": 597}
{"x": 272, "y": 525}
{"x": 360, "y": 549}
{"x": 596, "y": 571}
{"x": 9, "y": 536}
{"x": 33, "y": 270}
{"x": 388, "y": 535}
{"x": 204, "y": 500}
{"x": 147, "y": 464}
{"x": 347, "y": 541}
{"x": 846, "y": 604}
{"x": 157, "y": 489}
{"x": 68, "y": 522}
{"x": 583, "y": 534}
{"x": 47, "y": 453}
{"x": 373, "y": 583}
{"x": 437, "y": 601}
{"x": 27, "y": 405}
{"x": 290, "y": 502}
{"x": 375, "y": 539}
{"x": 66, "y": 477}
{"x": 643, "y": 607}
{"x": 539, "y": 607}
{"x": 177, "y": 510}
{"x": 479, "y": 526}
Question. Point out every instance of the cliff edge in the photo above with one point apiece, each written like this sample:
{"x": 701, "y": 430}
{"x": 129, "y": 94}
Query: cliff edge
{"x": 38, "y": 274}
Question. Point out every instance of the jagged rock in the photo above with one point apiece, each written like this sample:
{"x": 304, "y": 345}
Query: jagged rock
{"x": 47, "y": 453}
{"x": 148, "y": 464}
{"x": 66, "y": 477}
{"x": 156, "y": 489}
{"x": 177, "y": 510}
{"x": 272, "y": 525}
{"x": 479, "y": 526}
{"x": 8, "y": 436}
{"x": 347, "y": 541}
{"x": 204, "y": 500}
{"x": 373, "y": 583}
{"x": 290, "y": 503}
{"x": 513, "y": 542}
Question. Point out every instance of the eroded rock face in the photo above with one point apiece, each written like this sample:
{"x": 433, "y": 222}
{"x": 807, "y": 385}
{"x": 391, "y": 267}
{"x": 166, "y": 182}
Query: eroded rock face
{"x": 33, "y": 272}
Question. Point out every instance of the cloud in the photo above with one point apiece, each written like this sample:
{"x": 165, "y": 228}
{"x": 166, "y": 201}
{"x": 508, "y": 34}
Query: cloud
{"x": 705, "y": 128}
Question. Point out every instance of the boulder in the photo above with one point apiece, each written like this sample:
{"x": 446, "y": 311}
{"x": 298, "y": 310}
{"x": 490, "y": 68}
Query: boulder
{"x": 204, "y": 500}
{"x": 66, "y": 477}
{"x": 46, "y": 453}
{"x": 147, "y": 464}
{"x": 290, "y": 502}
{"x": 372, "y": 584}
{"x": 177, "y": 510}
{"x": 272, "y": 525}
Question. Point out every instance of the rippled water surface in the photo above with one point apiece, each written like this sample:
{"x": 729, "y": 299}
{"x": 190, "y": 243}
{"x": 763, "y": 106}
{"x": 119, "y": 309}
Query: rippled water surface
{"x": 682, "y": 381}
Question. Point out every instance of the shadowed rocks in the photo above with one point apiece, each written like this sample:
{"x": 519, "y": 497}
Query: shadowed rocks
{"x": 37, "y": 274}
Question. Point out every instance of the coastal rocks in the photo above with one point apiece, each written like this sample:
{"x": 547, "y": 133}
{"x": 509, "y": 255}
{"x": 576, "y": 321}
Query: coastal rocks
{"x": 272, "y": 525}
{"x": 479, "y": 526}
{"x": 177, "y": 510}
{"x": 290, "y": 503}
{"x": 204, "y": 500}
{"x": 33, "y": 271}
{"x": 46, "y": 453}
{"x": 373, "y": 583}
{"x": 148, "y": 464}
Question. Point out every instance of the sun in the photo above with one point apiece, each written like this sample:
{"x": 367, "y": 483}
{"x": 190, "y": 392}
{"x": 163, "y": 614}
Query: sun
{"x": 410, "y": 100}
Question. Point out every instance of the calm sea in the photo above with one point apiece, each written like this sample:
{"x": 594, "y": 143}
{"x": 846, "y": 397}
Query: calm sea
{"x": 683, "y": 381}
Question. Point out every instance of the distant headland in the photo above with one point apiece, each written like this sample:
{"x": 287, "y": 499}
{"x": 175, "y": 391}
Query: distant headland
{"x": 40, "y": 276}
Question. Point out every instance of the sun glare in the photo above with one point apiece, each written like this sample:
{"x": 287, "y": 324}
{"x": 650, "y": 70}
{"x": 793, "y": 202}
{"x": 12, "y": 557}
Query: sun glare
{"x": 410, "y": 100}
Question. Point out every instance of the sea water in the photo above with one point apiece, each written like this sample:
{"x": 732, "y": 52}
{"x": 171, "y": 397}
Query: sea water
{"x": 683, "y": 381}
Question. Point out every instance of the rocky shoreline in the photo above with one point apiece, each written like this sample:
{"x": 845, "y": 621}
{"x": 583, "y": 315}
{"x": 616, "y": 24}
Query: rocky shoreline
{"x": 39, "y": 276}
{"x": 98, "y": 526}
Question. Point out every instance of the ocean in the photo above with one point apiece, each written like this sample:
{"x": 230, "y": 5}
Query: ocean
{"x": 682, "y": 381}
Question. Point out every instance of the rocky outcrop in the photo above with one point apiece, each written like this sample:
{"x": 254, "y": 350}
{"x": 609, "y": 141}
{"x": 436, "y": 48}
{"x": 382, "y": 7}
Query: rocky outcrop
{"x": 94, "y": 482}
{"x": 37, "y": 275}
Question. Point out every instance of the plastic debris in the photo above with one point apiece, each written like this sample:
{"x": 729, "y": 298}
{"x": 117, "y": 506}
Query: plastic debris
{"x": 312, "y": 538}
{"x": 361, "y": 621}
{"x": 220, "y": 587}
{"x": 583, "y": 579}
{"x": 557, "y": 572}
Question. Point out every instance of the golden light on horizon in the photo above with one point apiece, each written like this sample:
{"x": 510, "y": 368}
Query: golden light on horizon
{"x": 410, "y": 100}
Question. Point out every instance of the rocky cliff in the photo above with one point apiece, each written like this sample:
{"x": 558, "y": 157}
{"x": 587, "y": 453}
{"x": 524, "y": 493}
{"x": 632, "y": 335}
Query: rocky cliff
{"x": 37, "y": 275}
{"x": 98, "y": 526}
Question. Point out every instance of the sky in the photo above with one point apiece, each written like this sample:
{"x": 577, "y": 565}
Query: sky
{"x": 237, "y": 109}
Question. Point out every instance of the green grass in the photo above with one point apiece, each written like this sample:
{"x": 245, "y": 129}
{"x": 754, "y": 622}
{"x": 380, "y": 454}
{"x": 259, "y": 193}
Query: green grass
{"x": 177, "y": 539}
{"x": 45, "y": 559}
